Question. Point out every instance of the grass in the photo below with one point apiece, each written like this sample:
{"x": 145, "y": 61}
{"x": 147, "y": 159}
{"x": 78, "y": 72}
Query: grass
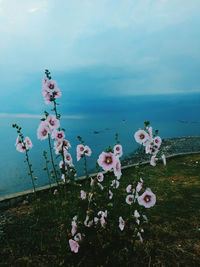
{"x": 37, "y": 233}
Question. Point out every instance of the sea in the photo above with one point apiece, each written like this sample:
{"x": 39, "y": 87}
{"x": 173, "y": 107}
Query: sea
{"x": 173, "y": 115}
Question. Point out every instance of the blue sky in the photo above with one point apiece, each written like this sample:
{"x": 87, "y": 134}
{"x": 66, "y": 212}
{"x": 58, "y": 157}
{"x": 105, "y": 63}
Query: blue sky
{"x": 97, "y": 48}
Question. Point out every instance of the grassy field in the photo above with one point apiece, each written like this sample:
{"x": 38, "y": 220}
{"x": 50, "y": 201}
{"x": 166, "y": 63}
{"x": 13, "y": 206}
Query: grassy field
{"x": 37, "y": 233}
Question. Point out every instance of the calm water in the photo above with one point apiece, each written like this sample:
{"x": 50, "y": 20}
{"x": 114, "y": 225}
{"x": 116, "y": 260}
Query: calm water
{"x": 165, "y": 114}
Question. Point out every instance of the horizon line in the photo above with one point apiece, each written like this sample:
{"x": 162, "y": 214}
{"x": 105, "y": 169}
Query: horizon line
{"x": 36, "y": 116}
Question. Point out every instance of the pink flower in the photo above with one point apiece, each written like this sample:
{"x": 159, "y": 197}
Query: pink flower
{"x": 100, "y": 177}
{"x": 28, "y": 143}
{"x": 150, "y": 132}
{"x": 121, "y": 223}
{"x": 153, "y": 161}
{"x": 164, "y": 159}
{"x": 74, "y": 228}
{"x": 59, "y": 135}
{"x": 21, "y": 147}
{"x": 102, "y": 213}
{"x": 157, "y": 141}
{"x": 53, "y": 122}
{"x": 139, "y": 186}
{"x": 118, "y": 150}
{"x": 87, "y": 151}
{"x": 147, "y": 199}
{"x": 142, "y": 137}
{"x": 128, "y": 188}
{"x": 47, "y": 96}
{"x": 110, "y": 194}
{"x": 74, "y": 246}
{"x": 129, "y": 199}
{"x": 107, "y": 161}
{"x": 44, "y": 81}
{"x": 57, "y": 93}
{"x": 83, "y": 194}
{"x": 66, "y": 144}
{"x": 51, "y": 86}
{"x": 68, "y": 158}
{"x": 17, "y": 141}
{"x": 80, "y": 149}
{"x": 62, "y": 165}
{"x": 43, "y": 130}
{"x": 117, "y": 169}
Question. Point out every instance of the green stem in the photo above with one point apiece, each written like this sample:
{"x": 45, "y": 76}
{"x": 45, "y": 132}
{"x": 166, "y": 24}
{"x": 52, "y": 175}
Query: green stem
{"x": 52, "y": 161}
{"x": 29, "y": 165}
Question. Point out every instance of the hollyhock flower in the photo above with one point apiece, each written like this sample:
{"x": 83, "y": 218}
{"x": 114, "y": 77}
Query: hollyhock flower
{"x": 118, "y": 150}
{"x": 43, "y": 130}
{"x": 130, "y": 199}
{"x": 78, "y": 156}
{"x": 147, "y": 199}
{"x": 139, "y": 186}
{"x": 164, "y": 159}
{"x": 117, "y": 169}
{"x": 74, "y": 228}
{"x": 115, "y": 184}
{"x": 17, "y": 141}
{"x": 87, "y": 151}
{"x": 28, "y": 143}
{"x": 83, "y": 194}
{"x": 153, "y": 161}
{"x": 51, "y": 86}
{"x": 157, "y": 141}
{"x": 62, "y": 165}
{"x": 53, "y": 122}
{"x": 44, "y": 81}
{"x": 148, "y": 149}
{"x": 59, "y": 135}
{"x": 21, "y": 147}
{"x": 110, "y": 194}
{"x": 150, "y": 132}
{"x": 128, "y": 188}
{"x": 102, "y": 213}
{"x": 80, "y": 149}
{"x": 66, "y": 144}
{"x": 107, "y": 161}
{"x": 74, "y": 246}
{"x": 142, "y": 137}
{"x": 68, "y": 158}
{"x": 78, "y": 237}
{"x": 100, "y": 177}
{"x": 121, "y": 223}
{"x": 47, "y": 97}
{"x": 57, "y": 93}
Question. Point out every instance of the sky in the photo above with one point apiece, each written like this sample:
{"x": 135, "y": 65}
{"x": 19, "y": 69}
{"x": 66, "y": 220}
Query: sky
{"x": 97, "y": 49}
